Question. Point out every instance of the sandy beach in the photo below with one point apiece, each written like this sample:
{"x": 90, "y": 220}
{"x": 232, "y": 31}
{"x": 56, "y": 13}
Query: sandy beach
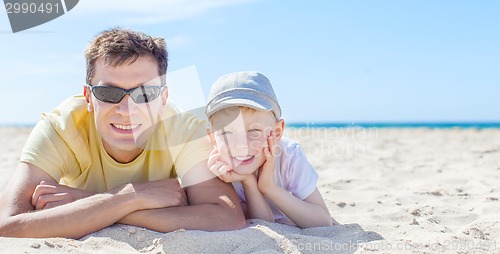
{"x": 392, "y": 190}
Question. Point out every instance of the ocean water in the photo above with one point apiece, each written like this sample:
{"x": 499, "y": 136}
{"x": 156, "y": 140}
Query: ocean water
{"x": 431, "y": 125}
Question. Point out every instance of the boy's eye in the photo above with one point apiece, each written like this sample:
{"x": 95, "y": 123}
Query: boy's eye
{"x": 254, "y": 133}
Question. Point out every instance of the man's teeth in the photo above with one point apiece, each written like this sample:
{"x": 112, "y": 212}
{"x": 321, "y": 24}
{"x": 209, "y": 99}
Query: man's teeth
{"x": 244, "y": 158}
{"x": 126, "y": 127}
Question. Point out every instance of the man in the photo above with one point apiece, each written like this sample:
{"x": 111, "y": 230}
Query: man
{"x": 113, "y": 155}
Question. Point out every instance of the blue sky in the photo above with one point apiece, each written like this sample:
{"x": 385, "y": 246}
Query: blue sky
{"x": 340, "y": 61}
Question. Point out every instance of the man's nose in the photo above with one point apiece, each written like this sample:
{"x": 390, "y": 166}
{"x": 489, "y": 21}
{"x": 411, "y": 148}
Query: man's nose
{"x": 126, "y": 106}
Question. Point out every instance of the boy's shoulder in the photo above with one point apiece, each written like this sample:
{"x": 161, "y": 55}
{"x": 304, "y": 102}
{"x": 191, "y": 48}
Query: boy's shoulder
{"x": 289, "y": 146}
{"x": 288, "y": 141}
{"x": 292, "y": 163}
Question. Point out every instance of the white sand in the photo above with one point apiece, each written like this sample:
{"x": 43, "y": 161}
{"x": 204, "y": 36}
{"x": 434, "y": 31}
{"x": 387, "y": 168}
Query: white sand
{"x": 394, "y": 190}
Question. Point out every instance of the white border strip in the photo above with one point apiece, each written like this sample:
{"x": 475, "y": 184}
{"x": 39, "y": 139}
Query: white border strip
{"x": 63, "y": 3}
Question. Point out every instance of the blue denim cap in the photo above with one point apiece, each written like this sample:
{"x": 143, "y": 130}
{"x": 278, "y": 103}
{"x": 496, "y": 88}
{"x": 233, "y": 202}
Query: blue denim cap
{"x": 249, "y": 89}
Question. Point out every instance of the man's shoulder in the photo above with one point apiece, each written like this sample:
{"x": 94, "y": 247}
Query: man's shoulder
{"x": 70, "y": 115}
{"x": 176, "y": 120}
{"x": 70, "y": 107}
{"x": 59, "y": 139}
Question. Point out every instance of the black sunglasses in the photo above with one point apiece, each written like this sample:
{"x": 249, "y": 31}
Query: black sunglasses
{"x": 111, "y": 94}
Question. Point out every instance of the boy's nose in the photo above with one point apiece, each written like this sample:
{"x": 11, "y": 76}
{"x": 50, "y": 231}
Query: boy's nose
{"x": 240, "y": 142}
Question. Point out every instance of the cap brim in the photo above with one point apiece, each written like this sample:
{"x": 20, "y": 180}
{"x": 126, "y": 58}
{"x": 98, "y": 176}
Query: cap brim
{"x": 255, "y": 104}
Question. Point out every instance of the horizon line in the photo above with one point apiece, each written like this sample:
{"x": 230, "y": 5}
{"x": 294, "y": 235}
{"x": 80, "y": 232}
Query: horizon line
{"x": 312, "y": 124}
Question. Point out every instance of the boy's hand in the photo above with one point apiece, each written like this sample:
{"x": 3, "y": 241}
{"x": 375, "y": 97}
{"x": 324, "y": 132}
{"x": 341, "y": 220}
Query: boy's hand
{"x": 222, "y": 169}
{"x": 266, "y": 172}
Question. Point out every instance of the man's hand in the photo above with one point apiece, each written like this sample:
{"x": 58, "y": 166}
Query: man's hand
{"x": 48, "y": 195}
{"x": 210, "y": 198}
{"x": 222, "y": 169}
{"x": 158, "y": 194}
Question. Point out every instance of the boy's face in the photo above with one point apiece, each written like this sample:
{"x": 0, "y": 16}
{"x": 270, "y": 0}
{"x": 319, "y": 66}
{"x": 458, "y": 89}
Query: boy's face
{"x": 125, "y": 126}
{"x": 241, "y": 135}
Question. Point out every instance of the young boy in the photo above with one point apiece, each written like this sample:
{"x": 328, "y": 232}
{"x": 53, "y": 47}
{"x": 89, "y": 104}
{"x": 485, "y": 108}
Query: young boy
{"x": 270, "y": 173}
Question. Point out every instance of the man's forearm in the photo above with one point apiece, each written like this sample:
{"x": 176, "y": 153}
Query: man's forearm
{"x": 208, "y": 217}
{"x": 72, "y": 220}
{"x": 89, "y": 214}
{"x": 213, "y": 206}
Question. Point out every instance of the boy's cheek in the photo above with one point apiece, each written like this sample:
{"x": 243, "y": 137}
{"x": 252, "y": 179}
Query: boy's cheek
{"x": 220, "y": 144}
{"x": 224, "y": 155}
{"x": 258, "y": 144}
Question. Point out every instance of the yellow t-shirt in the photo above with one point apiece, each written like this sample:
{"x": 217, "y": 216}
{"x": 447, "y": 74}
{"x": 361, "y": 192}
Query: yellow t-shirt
{"x": 66, "y": 145}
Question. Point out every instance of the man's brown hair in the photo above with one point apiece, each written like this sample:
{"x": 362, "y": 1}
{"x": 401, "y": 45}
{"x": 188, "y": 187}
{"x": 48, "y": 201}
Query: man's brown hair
{"x": 118, "y": 46}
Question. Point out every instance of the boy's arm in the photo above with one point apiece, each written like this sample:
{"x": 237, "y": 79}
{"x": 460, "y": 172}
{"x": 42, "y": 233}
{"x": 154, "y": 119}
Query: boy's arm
{"x": 18, "y": 217}
{"x": 213, "y": 206}
{"x": 258, "y": 207}
{"x": 310, "y": 212}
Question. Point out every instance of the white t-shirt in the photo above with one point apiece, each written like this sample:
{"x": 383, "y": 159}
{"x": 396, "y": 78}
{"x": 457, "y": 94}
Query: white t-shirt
{"x": 293, "y": 172}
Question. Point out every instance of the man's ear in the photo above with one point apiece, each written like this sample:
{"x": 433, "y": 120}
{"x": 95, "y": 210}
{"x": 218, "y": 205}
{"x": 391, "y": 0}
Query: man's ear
{"x": 86, "y": 93}
{"x": 279, "y": 128}
{"x": 164, "y": 95}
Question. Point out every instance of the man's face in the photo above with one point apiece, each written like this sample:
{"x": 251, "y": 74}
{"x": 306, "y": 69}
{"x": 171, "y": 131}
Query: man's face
{"x": 126, "y": 126}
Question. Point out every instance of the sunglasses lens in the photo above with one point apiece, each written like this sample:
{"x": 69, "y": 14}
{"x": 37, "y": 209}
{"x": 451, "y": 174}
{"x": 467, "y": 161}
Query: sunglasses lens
{"x": 142, "y": 94}
{"x": 108, "y": 94}
{"x": 145, "y": 94}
